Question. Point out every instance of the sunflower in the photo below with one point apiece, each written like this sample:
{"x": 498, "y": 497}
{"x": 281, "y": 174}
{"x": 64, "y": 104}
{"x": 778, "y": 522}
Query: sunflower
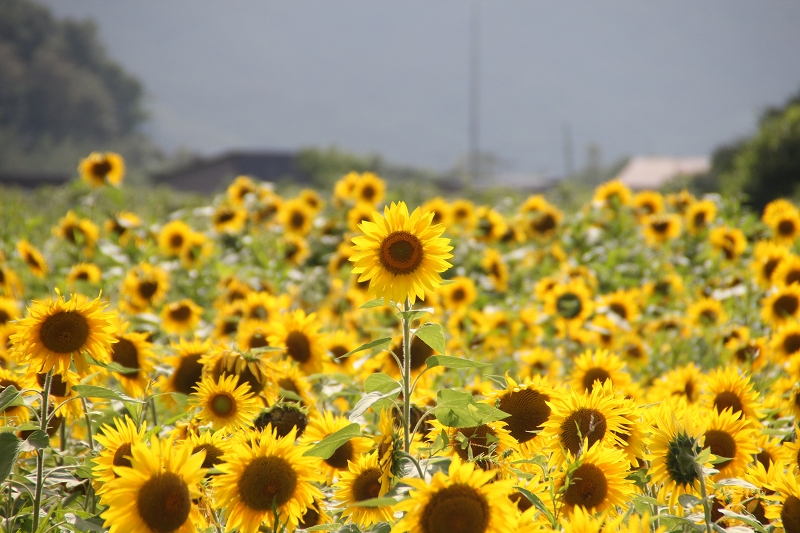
{"x": 359, "y": 213}
{"x": 116, "y": 442}
{"x": 325, "y": 424}
{"x": 215, "y": 443}
{"x": 187, "y": 370}
{"x": 683, "y": 382}
{"x": 296, "y": 217}
{"x": 229, "y": 219}
{"x": 593, "y": 417}
{"x": 459, "y": 294}
{"x": 463, "y": 500}
{"x": 180, "y": 317}
{"x": 226, "y": 323}
{"x": 298, "y": 334}
{"x": 389, "y": 443}
{"x": 462, "y": 213}
{"x": 401, "y": 255}
{"x": 491, "y": 226}
{"x": 479, "y": 443}
{"x": 569, "y": 303}
{"x": 539, "y": 361}
{"x": 198, "y": 248}
{"x": 99, "y": 169}
{"x": 362, "y": 481}
{"x": 599, "y": 366}
{"x": 85, "y": 273}
{"x": 173, "y": 237}
{"x": 658, "y": 229}
{"x": 612, "y": 194}
{"x": 134, "y": 352}
{"x": 9, "y": 310}
{"x": 730, "y": 436}
{"x": 252, "y": 334}
{"x": 369, "y": 188}
{"x": 9, "y": 281}
{"x": 699, "y": 215}
{"x": 731, "y": 242}
{"x": 441, "y": 210}
{"x": 295, "y": 249}
{"x": 145, "y": 285}
{"x": 647, "y": 203}
{"x": 496, "y": 268}
{"x": 283, "y": 418}
{"x": 13, "y": 415}
{"x": 595, "y": 481}
{"x": 729, "y": 389}
{"x": 54, "y": 330}
{"x": 60, "y": 392}
{"x": 623, "y": 303}
{"x": 784, "y": 221}
{"x": 785, "y": 512}
{"x": 264, "y": 473}
{"x": 706, "y": 312}
{"x": 250, "y": 368}
{"x": 155, "y": 494}
{"x": 338, "y": 343}
{"x": 786, "y": 342}
{"x": 782, "y": 306}
{"x": 122, "y": 225}
{"x": 32, "y": 257}
{"x": 241, "y": 189}
{"x": 526, "y": 405}
{"x": 225, "y": 404}
{"x": 544, "y": 222}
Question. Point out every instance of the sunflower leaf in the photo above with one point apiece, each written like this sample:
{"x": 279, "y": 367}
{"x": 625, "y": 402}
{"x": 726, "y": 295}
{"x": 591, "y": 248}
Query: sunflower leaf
{"x": 460, "y": 410}
{"x": 324, "y": 527}
{"x": 327, "y": 446}
{"x": 10, "y": 445}
{"x": 376, "y": 502}
{"x": 371, "y": 398}
{"x": 432, "y": 334}
{"x": 749, "y": 520}
{"x": 375, "y": 302}
{"x": 9, "y": 395}
{"x": 448, "y": 361}
{"x": 689, "y": 500}
{"x": 94, "y": 391}
{"x": 36, "y": 440}
{"x": 380, "y": 343}
{"x": 537, "y": 502}
{"x": 414, "y": 313}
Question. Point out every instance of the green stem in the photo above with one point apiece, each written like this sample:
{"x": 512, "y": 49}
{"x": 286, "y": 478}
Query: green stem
{"x": 88, "y": 423}
{"x": 406, "y": 379}
{"x": 37, "y": 499}
{"x": 704, "y": 496}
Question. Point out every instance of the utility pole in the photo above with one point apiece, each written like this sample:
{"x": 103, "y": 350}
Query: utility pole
{"x": 473, "y": 172}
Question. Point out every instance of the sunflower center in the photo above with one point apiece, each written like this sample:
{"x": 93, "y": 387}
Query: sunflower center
{"x": 790, "y": 514}
{"x": 791, "y": 343}
{"x": 544, "y": 223}
{"x": 176, "y": 241}
{"x": 222, "y": 405}
{"x": 213, "y": 454}
{"x": 283, "y": 419}
{"x": 266, "y": 480}
{"x": 477, "y": 442}
{"x": 257, "y": 340}
{"x": 764, "y": 458}
{"x": 660, "y": 227}
{"x": 340, "y": 457}
{"x": 3, "y": 317}
{"x": 297, "y": 220}
{"x": 786, "y": 305}
{"x": 587, "y": 488}
{"x": 119, "y": 456}
{"x": 523, "y": 503}
{"x": 180, "y": 313}
{"x": 680, "y": 459}
{"x": 459, "y": 295}
{"x": 225, "y": 216}
{"x": 58, "y": 387}
{"x": 367, "y": 485}
{"x": 310, "y": 518}
{"x": 528, "y": 412}
{"x": 64, "y": 332}
{"x": 699, "y": 219}
{"x": 727, "y": 399}
{"x": 82, "y": 275}
{"x": 582, "y": 424}
{"x": 419, "y": 353}
{"x": 401, "y": 253}
{"x": 569, "y": 305}
{"x": 595, "y": 374}
{"x": 124, "y": 352}
{"x": 792, "y": 277}
{"x": 164, "y": 503}
{"x": 456, "y": 509}
{"x": 786, "y": 227}
{"x": 298, "y": 347}
{"x": 101, "y": 168}
{"x": 188, "y": 374}
{"x": 722, "y": 445}
{"x": 147, "y": 289}
{"x": 338, "y": 351}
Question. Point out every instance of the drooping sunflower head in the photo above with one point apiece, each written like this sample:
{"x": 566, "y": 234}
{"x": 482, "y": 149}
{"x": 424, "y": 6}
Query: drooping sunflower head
{"x": 102, "y": 168}
{"x": 401, "y": 255}
{"x": 283, "y": 418}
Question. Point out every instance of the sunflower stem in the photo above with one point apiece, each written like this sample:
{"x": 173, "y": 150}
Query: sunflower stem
{"x": 406, "y": 378}
{"x": 37, "y": 498}
{"x": 704, "y": 496}
{"x": 88, "y": 423}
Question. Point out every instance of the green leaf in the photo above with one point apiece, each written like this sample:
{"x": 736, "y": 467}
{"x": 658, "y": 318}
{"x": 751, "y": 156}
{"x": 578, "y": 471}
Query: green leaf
{"x": 327, "y": 446}
{"x": 380, "y": 343}
{"x": 749, "y": 520}
{"x": 446, "y": 282}
{"x": 689, "y": 500}
{"x": 538, "y": 503}
{"x": 375, "y": 502}
{"x": 414, "y": 313}
{"x": 736, "y": 482}
{"x": 376, "y": 302}
{"x": 380, "y": 382}
{"x": 371, "y": 398}
{"x": 433, "y": 335}
{"x": 10, "y": 445}
{"x": 9, "y": 395}
{"x": 94, "y": 391}
{"x": 703, "y": 457}
{"x": 460, "y": 410}
{"x": 324, "y": 527}
{"x": 449, "y": 361}
{"x": 289, "y": 395}
{"x": 38, "y": 439}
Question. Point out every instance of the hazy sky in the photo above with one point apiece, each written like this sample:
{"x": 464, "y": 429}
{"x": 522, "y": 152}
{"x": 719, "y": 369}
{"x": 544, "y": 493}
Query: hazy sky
{"x": 648, "y": 77}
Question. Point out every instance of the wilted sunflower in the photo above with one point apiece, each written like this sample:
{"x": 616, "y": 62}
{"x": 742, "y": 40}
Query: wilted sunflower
{"x": 32, "y": 257}
{"x": 699, "y": 215}
{"x": 251, "y": 368}
{"x": 296, "y": 217}
{"x": 599, "y": 366}
{"x": 362, "y": 481}
{"x": 225, "y": 404}
{"x": 298, "y": 334}
{"x": 101, "y": 168}
{"x": 782, "y": 306}
{"x": 116, "y": 442}
{"x": 55, "y": 330}
{"x": 180, "y": 317}
{"x": 322, "y": 425}
{"x": 401, "y": 255}
{"x": 155, "y": 494}
{"x": 465, "y": 499}
{"x": 266, "y": 472}
{"x": 145, "y": 285}
{"x": 595, "y": 481}
{"x": 173, "y": 237}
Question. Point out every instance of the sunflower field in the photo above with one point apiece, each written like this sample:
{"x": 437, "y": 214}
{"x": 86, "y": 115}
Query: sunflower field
{"x": 342, "y": 361}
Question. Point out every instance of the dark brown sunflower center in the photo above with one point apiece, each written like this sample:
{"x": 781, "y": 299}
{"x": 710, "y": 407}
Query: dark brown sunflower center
{"x": 791, "y": 343}
{"x": 82, "y": 275}
{"x": 699, "y": 219}
{"x": 101, "y": 168}
{"x": 785, "y": 305}
{"x": 582, "y": 424}
{"x": 790, "y": 514}
{"x": 728, "y": 399}
{"x": 544, "y": 223}
{"x": 619, "y": 310}
{"x": 180, "y": 313}
{"x": 456, "y": 509}
{"x": 58, "y": 387}
{"x": 266, "y": 480}
{"x": 569, "y": 305}
{"x": 660, "y": 227}
{"x": 459, "y": 295}
{"x": 283, "y": 419}
{"x": 722, "y": 445}
{"x": 770, "y": 266}
{"x": 147, "y": 289}
{"x": 786, "y": 227}
{"x": 225, "y": 216}
{"x": 476, "y": 443}
{"x": 587, "y": 488}
{"x": 188, "y": 374}
{"x": 401, "y": 252}
{"x": 124, "y": 353}
{"x": 367, "y": 485}
{"x": 298, "y": 347}
{"x": 64, "y": 332}
{"x": 310, "y": 518}
{"x": 528, "y": 412}
{"x": 338, "y": 351}
{"x": 297, "y": 220}
{"x": 368, "y": 193}
{"x": 222, "y": 405}
{"x": 523, "y": 503}
{"x": 164, "y": 503}
{"x": 595, "y": 374}
{"x": 343, "y": 453}
{"x": 765, "y": 459}
{"x": 257, "y": 340}
{"x": 176, "y": 241}
{"x": 419, "y": 353}
{"x": 213, "y": 454}
{"x": 4, "y": 316}
{"x": 121, "y": 456}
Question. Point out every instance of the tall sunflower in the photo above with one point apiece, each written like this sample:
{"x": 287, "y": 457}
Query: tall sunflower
{"x": 400, "y": 254}
{"x": 55, "y": 330}
{"x": 463, "y": 500}
{"x": 362, "y": 481}
{"x": 267, "y": 471}
{"x": 99, "y": 169}
{"x": 155, "y": 494}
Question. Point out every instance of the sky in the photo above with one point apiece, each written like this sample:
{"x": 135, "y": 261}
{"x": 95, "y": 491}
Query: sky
{"x": 673, "y": 78}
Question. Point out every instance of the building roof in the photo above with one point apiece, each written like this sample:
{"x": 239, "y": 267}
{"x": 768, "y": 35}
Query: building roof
{"x": 654, "y": 172}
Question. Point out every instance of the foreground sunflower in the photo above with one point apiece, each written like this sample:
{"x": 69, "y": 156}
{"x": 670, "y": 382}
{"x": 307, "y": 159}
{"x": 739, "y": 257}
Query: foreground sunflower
{"x": 362, "y": 481}
{"x": 155, "y": 494}
{"x": 465, "y": 500}
{"x": 54, "y": 330}
{"x": 596, "y": 481}
{"x": 264, "y": 472}
{"x": 117, "y": 442}
{"x": 400, "y": 254}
